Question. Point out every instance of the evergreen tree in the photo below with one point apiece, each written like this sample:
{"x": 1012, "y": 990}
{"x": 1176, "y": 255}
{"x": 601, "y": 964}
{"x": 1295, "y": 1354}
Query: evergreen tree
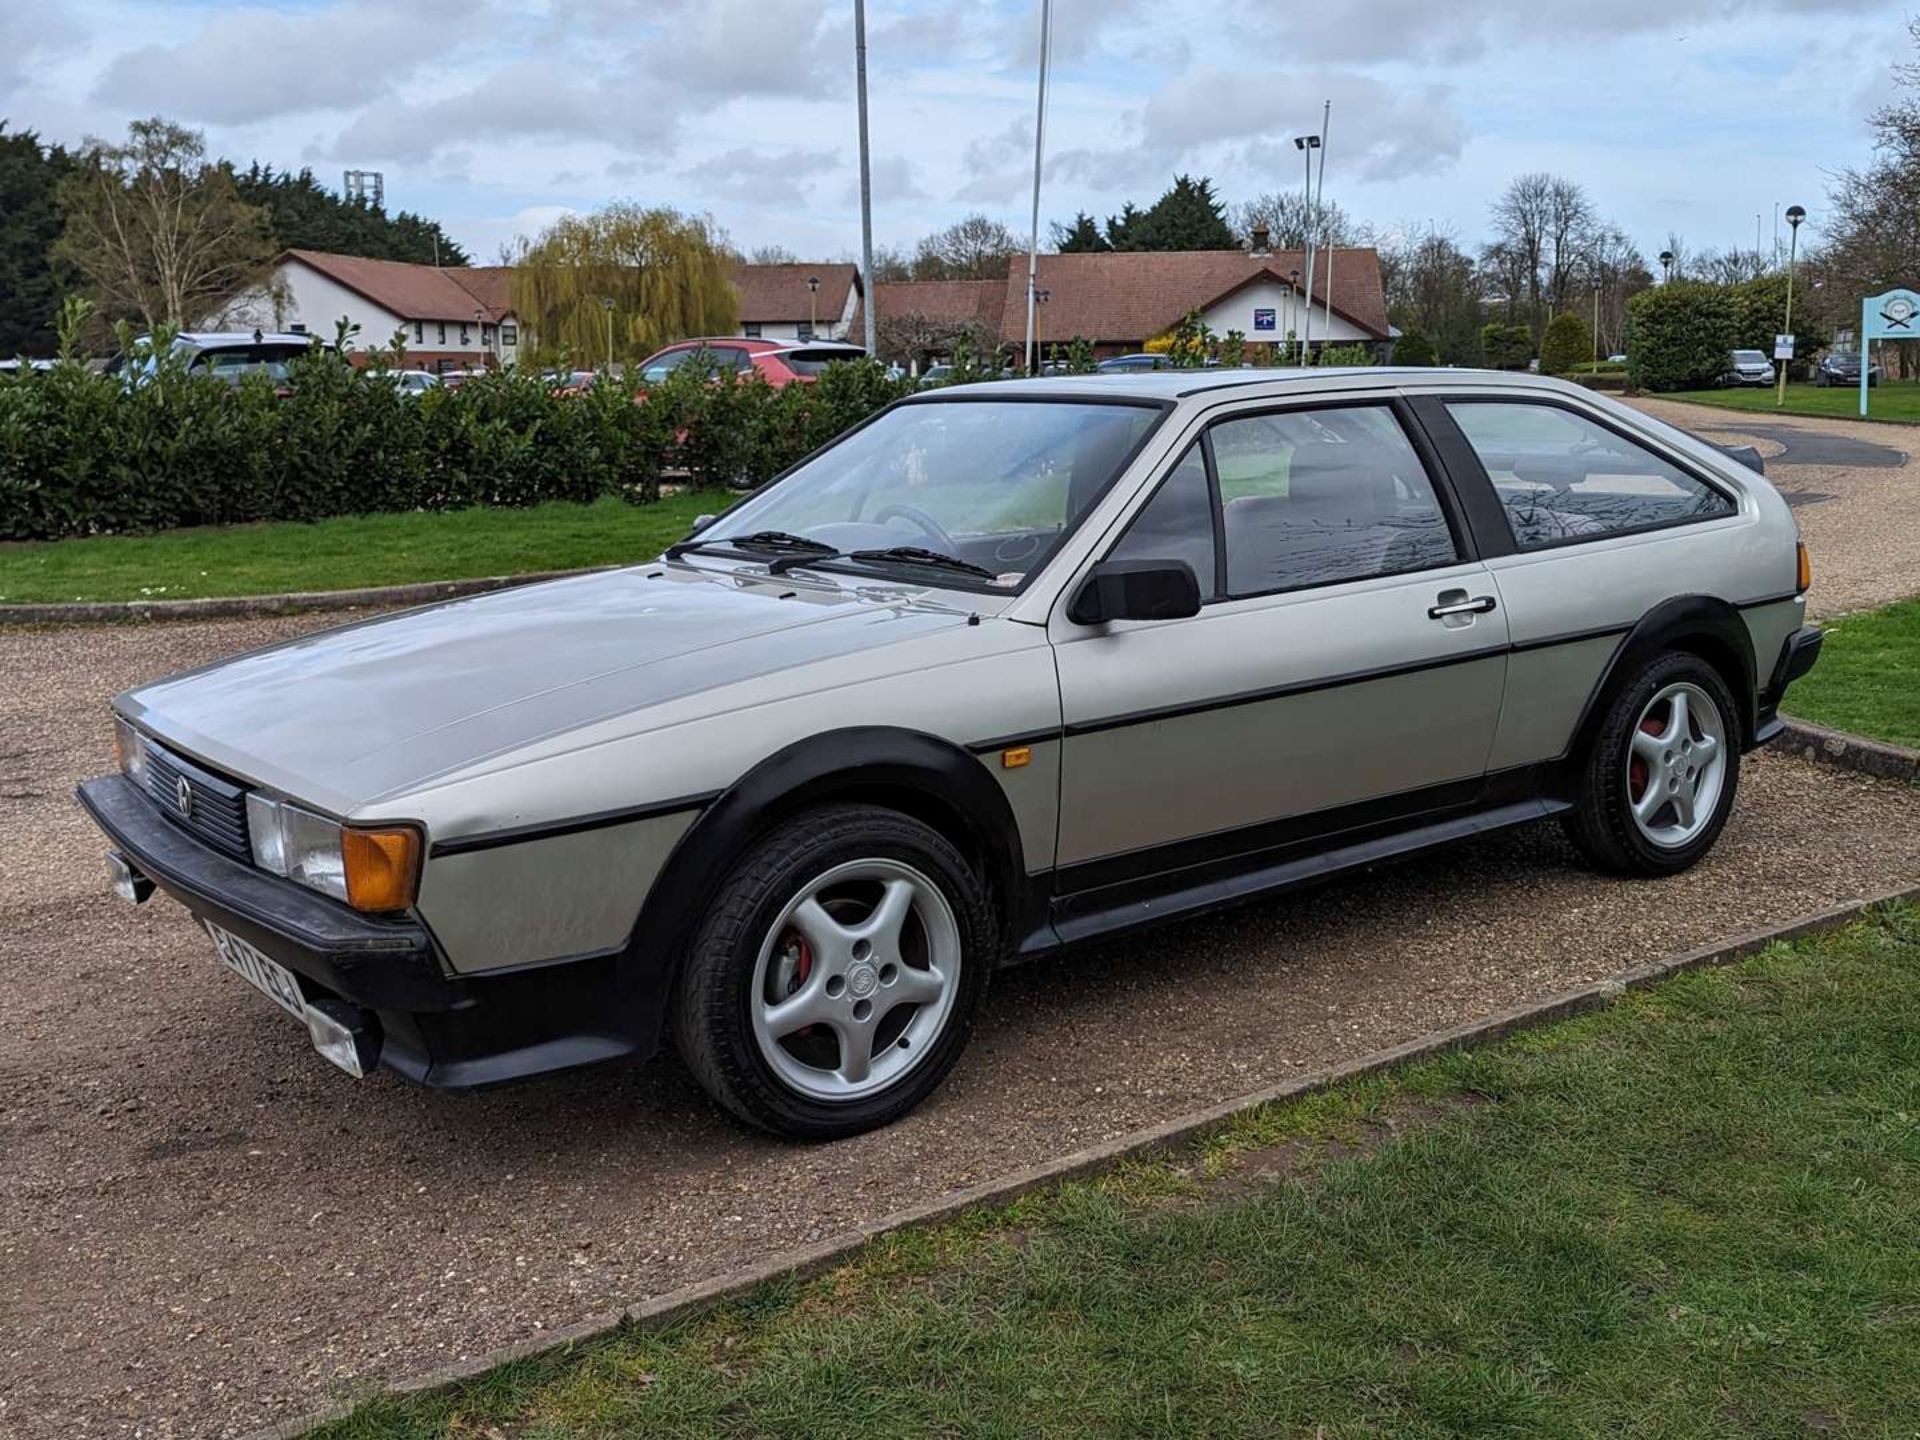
{"x": 1082, "y": 237}
{"x": 1189, "y": 216}
{"x": 305, "y": 215}
{"x": 31, "y": 280}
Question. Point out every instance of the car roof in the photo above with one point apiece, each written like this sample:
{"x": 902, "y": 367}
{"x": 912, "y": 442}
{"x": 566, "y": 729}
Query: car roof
{"x": 241, "y": 337}
{"x": 1162, "y": 386}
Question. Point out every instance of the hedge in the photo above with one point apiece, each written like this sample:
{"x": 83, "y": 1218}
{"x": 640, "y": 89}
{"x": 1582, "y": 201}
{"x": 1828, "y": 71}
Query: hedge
{"x": 83, "y": 453}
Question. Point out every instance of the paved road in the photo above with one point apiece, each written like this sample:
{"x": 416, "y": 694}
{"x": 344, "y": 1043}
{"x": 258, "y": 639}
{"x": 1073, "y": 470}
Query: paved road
{"x": 203, "y": 1228}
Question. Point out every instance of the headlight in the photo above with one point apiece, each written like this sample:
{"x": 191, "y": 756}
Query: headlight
{"x": 131, "y": 747}
{"x": 369, "y": 869}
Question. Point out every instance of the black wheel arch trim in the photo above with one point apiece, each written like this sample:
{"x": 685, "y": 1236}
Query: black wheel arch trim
{"x": 871, "y": 762}
{"x": 1681, "y": 623}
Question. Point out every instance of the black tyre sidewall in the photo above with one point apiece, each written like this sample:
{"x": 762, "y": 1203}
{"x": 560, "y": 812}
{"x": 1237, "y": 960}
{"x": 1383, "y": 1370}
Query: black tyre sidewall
{"x": 711, "y": 1015}
{"x": 1603, "y": 825}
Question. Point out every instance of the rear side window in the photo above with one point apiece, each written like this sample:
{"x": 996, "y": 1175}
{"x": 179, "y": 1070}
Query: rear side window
{"x": 1317, "y": 497}
{"x": 1562, "y": 477}
{"x": 812, "y": 362}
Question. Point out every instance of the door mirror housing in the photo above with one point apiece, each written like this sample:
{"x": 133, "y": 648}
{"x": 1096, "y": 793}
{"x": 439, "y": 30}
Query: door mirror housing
{"x": 1136, "y": 590}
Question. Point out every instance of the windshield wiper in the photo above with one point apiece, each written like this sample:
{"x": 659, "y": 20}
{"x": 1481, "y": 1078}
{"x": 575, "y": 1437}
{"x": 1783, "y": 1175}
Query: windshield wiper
{"x": 917, "y": 555}
{"x": 776, "y": 541}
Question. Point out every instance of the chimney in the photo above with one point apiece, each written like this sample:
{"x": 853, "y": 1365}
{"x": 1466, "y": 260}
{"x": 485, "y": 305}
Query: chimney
{"x": 1260, "y": 237}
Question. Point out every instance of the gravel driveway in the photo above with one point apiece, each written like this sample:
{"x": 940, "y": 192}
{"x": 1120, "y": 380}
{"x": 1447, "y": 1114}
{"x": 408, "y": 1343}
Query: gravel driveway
{"x": 203, "y": 1228}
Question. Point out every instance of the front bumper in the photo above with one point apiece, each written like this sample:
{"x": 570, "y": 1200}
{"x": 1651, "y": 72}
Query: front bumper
{"x": 1797, "y": 657}
{"x": 435, "y": 1028}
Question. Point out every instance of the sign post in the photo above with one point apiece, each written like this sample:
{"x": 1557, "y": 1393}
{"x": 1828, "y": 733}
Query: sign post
{"x": 1892, "y": 316}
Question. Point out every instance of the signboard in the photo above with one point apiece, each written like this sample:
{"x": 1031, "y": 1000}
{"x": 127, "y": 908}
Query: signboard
{"x": 1783, "y": 347}
{"x": 1892, "y": 316}
{"x": 1265, "y": 320}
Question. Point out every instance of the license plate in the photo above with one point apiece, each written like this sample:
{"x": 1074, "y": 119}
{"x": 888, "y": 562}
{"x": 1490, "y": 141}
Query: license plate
{"x": 265, "y": 974}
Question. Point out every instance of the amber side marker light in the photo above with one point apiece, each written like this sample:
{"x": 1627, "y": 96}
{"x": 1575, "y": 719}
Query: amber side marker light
{"x": 1805, "y": 563}
{"x": 382, "y": 867}
{"x": 1016, "y": 757}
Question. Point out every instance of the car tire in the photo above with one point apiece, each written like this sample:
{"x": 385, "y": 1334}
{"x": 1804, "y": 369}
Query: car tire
{"x": 1617, "y": 822}
{"x": 829, "y": 917}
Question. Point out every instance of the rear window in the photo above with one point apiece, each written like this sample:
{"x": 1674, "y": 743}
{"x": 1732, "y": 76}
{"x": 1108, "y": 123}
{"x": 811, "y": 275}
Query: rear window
{"x": 812, "y": 362}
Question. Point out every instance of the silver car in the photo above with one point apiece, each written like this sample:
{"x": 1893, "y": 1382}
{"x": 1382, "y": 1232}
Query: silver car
{"x": 1006, "y": 668}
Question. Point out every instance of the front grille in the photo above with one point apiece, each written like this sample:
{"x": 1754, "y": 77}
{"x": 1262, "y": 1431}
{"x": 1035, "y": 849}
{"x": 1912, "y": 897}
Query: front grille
{"x": 216, "y": 810}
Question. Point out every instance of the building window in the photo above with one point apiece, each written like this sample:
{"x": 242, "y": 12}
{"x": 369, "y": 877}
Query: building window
{"x": 419, "y": 331}
{"x": 509, "y": 334}
{"x": 298, "y": 329}
{"x": 443, "y": 332}
{"x": 804, "y": 332}
{"x": 486, "y": 335}
{"x": 465, "y": 335}
{"x": 752, "y": 332}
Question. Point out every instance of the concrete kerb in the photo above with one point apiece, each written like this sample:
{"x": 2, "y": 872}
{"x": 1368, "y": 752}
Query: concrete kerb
{"x": 1849, "y": 751}
{"x": 249, "y": 607}
{"x": 691, "y": 1300}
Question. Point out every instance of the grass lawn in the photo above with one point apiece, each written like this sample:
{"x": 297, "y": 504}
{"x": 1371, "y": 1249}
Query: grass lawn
{"x": 1868, "y": 676}
{"x": 346, "y": 553}
{"x": 1692, "y": 1214}
{"x": 1886, "y": 401}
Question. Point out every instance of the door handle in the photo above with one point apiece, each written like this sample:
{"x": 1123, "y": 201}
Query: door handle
{"x": 1478, "y": 605}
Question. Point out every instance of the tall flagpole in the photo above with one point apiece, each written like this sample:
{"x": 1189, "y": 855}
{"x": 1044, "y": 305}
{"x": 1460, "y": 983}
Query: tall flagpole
{"x": 868, "y": 303}
{"x": 1326, "y": 118}
{"x": 1039, "y": 150}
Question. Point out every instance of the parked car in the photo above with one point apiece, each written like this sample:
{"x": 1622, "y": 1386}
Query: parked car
{"x": 1748, "y": 367}
{"x": 780, "y": 362}
{"x": 225, "y": 355}
{"x": 17, "y": 366}
{"x": 1009, "y": 667}
{"x": 415, "y": 382}
{"x": 1127, "y": 364}
{"x": 1842, "y": 367}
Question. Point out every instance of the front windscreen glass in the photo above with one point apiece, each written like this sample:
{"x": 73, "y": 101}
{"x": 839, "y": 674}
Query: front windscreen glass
{"x": 983, "y": 490}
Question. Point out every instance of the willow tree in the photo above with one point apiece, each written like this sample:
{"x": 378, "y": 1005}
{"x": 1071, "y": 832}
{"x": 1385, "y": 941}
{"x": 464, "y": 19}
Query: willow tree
{"x": 626, "y": 279}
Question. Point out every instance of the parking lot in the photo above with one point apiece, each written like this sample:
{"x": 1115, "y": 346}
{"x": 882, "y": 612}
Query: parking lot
{"x": 205, "y": 1229}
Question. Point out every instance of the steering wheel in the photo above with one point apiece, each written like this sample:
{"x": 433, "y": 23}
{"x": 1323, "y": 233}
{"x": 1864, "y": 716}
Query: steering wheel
{"x": 942, "y": 540}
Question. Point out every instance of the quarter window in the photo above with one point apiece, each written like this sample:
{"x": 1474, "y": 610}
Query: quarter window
{"x": 1316, "y": 497}
{"x": 1177, "y": 523}
{"x": 1562, "y": 477}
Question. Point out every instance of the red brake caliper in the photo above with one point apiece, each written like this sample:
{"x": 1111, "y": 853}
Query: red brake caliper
{"x": 1636, "y": 767}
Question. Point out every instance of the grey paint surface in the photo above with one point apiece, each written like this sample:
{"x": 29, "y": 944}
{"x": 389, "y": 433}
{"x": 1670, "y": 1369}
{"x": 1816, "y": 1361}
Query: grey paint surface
{"x": 637, "y": 686}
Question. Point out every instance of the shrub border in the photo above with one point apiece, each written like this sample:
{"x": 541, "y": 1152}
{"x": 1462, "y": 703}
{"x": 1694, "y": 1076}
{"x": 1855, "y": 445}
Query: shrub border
{"x": 243, "y": 607}
{"x": 691, "y": 1300}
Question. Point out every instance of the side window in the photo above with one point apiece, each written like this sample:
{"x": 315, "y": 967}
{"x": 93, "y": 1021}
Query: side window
{"x": 1177, "y": 523}
{"x": 1561, "y": 476}
{"x": 1315, "y": 497}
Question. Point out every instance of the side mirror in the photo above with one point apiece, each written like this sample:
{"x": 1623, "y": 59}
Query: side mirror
{"x": 1136, "y": 590}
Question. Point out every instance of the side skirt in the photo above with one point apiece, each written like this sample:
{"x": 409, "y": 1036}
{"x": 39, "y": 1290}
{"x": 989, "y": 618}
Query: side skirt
{"x": 1114, "y": 905}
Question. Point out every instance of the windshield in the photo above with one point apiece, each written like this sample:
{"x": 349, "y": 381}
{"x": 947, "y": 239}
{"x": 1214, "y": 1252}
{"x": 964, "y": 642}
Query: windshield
{"x": 1749, "y": 357}
{"x": 992, "y": 483}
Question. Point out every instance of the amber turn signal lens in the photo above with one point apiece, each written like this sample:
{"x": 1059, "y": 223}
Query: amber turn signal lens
{"x": 1805, "y": 578}
{"x": 382, "y": 866}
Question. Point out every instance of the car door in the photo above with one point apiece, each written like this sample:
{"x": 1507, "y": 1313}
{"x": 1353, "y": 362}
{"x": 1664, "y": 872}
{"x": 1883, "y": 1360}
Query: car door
{"x": 1345, "y": 669}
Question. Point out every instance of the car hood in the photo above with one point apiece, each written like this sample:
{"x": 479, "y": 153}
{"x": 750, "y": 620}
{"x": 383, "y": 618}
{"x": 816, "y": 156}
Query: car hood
{"x": 347, "y": 716}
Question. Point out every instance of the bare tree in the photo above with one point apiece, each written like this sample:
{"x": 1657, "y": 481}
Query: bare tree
{"x": 1433, "y": 287}
{"x": 772, "y": 255}
{"x": 159, "y": 231}
{"x": 1614, "y": 268}
{"x": 1285, "y": 214}
{"x": 976, "y": 248}
{"x": 1542, "y": 222}
{"x": 1873, "y": 222}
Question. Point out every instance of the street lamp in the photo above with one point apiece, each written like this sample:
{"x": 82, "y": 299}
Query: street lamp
{"x": 1596, "y": 322}
{"x": 1795, "y": 214}
{"x": 813, "y": 304}
{"x": 1666, "y": 266}
{"x": 1306, "y": 145}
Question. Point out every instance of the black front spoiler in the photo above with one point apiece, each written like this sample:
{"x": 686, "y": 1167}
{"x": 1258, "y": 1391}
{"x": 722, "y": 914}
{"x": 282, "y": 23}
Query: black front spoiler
{"x": 441, "y": 1030}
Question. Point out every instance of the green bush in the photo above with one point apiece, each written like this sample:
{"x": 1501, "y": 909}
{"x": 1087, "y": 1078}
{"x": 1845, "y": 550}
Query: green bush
{"x": 83, "y": 453}
{"x": 1414, "y": 348}
{"x": 1679, "y": 336}
{"x": 1506, "y": 347}
{"x": 1566, "y": 344}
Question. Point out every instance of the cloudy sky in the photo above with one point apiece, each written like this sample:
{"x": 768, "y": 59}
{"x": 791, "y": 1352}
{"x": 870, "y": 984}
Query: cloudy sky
{"x": 495, "y": 115}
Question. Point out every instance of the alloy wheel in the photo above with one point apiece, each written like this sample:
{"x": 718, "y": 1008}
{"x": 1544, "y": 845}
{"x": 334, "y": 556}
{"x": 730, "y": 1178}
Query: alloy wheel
{"x": 1676, "y": 765}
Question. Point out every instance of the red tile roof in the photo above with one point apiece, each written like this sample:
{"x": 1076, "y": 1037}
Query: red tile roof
{"x": 960, "y": 302}
{"x": 777, "y": 294}
{"x": 418, "y": 292}
{"x": 1130, "y": 296}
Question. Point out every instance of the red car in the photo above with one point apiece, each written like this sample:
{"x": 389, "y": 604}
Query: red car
{"x": 781, "y": 362}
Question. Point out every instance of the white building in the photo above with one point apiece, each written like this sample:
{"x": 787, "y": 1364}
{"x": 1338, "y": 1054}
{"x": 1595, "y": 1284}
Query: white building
{"x": 449, "y": 317}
